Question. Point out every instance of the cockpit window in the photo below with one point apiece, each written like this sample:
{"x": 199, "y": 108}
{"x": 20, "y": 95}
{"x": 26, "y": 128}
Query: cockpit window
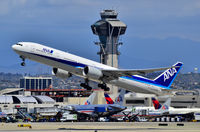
{"x": 19, "y": 44}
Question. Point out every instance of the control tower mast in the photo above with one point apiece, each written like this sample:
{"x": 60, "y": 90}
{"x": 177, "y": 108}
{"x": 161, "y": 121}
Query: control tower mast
{"x": 109, "y": 29}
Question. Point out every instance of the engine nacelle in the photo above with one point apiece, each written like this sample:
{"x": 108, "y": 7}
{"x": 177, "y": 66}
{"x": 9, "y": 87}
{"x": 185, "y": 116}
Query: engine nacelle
{"x": 92, "y": 72}
{"x": 61, "y": 73}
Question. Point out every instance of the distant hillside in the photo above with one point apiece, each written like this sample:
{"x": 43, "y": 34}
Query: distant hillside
{"x": 183, "y": 81}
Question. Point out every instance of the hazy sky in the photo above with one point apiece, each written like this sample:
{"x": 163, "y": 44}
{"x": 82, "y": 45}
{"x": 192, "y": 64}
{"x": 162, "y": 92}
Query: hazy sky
{"x": 159, "y": 33}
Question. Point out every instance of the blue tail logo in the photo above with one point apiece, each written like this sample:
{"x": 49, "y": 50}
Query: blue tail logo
{"x": 169, "y": 73}
{"x": 168, "y": 76}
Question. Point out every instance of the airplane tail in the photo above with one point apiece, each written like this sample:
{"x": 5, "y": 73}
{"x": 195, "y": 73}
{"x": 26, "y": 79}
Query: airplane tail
{"x": 168, "y": 76}
{"x": 108, "y": 99}
{"x": 119, "y": 100}
{"x": 156, "y": 103}
{"x": 164, "y": 107}
{"x": 90, "y": 99}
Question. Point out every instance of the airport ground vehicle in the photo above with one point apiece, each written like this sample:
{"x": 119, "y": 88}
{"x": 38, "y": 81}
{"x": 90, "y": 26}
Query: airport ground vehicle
{"x": 68, "y": 117}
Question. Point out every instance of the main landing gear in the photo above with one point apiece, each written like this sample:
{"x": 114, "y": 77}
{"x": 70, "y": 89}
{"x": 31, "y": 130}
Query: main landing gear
{"x": 103, "y": 86}
{"x": 23, "y": 61}
{"x": 86, "y": 85}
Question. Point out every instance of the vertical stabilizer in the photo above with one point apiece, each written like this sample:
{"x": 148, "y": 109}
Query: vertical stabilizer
{"x": 166, "y": 105}
{"x": 168, "y": 76}
{"x": 158, "y": 106}
{"x": 108, "y": 99}
{"x": 90, "y": 99}
{"x": 156, "y": 103}
{"x": 120, "y": 99}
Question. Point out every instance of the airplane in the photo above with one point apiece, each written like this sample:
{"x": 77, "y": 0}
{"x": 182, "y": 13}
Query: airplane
{"x": 65, "y": 65}
{"x": 134, "y": 113}
{"x": 178, "y": 111}
{"x": 119, "y": 99}
{"x": 3, "y": 115}
{"x": 90, "y": 99}
{"x": 97, "y": 110}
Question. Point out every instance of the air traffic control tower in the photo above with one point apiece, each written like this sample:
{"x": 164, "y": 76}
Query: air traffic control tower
{"x": 109, "y": 29}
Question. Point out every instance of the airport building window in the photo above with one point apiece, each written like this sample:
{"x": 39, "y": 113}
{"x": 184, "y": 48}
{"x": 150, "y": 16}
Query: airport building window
{"x": 49, "y": 82}
{"x": 40, "y": 84}
{"x": 32, "y": 84}
{"x": 37, "y": 84}
{"x": 44, "y": 84}
{"x": 27, "y": 84}
{"x": 134, "y": 101}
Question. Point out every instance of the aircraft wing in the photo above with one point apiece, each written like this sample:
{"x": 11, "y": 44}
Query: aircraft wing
{"x": 129, "y": 72}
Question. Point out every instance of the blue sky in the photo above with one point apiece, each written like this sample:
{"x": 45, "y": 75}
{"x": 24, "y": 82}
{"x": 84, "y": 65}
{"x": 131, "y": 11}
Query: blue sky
{"x": 159, "y": 33}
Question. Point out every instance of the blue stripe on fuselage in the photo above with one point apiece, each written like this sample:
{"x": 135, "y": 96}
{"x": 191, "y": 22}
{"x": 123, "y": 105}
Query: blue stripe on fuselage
{"x": 143, "y": 80}
{"x": 74, "y": 64}
{"x": 80, "y": 65}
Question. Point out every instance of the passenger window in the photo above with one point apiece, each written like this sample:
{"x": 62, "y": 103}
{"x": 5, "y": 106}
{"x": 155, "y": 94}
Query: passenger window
{"x": 19, "y": 44}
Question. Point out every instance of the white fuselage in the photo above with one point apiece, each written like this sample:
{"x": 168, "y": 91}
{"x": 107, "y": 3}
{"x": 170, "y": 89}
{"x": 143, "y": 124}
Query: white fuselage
{"x": 183, "y": 110}
{"x": 74, "y": 64}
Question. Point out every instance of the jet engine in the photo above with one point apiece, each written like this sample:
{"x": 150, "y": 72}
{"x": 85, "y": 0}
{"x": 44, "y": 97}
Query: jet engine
{"x": 92, "y": 72}
{"x": 61, "y": 73}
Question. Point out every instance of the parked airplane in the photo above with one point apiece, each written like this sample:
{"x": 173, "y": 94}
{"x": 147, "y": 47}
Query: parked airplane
{"x": 97, "y": 110}
{"x": 177, "y": 111}
{"x": 65, "y": 65}
{"x": 138, "y": 112}
{"x": 90, "y": 99}
{"x": 119, "y": 99}
{"x": 3, "y": 115}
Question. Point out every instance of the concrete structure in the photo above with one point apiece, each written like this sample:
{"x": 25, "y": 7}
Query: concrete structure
{"x": 109, "y": 29}
{"x": 11, "y": 104}
{"x": 99, "y": 99}
{"x": 12, "y": 91}
{"x": 36, "y": 83}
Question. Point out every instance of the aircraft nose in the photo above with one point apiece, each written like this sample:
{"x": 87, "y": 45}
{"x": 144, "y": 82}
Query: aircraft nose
{"x": 14, "y": 47}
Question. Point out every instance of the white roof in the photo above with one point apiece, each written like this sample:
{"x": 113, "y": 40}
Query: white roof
{"x": 27, "y": 99}
{"x": 45, "y": 99}
{"x": 4, "y": 99}
{"x": 9, "y": 90}
{"x": 116, "y": 23}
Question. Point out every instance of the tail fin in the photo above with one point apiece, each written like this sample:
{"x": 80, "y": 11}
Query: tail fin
{"x": 120, "y": 99}
{"x": 108, "y": 99}
{"x": 158, "y": 106}
{"x": 90, "y": 99}
{"x": 156, "y": 103}
{"x": 168, "y": 76}
{"x": 166, "y": 105}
